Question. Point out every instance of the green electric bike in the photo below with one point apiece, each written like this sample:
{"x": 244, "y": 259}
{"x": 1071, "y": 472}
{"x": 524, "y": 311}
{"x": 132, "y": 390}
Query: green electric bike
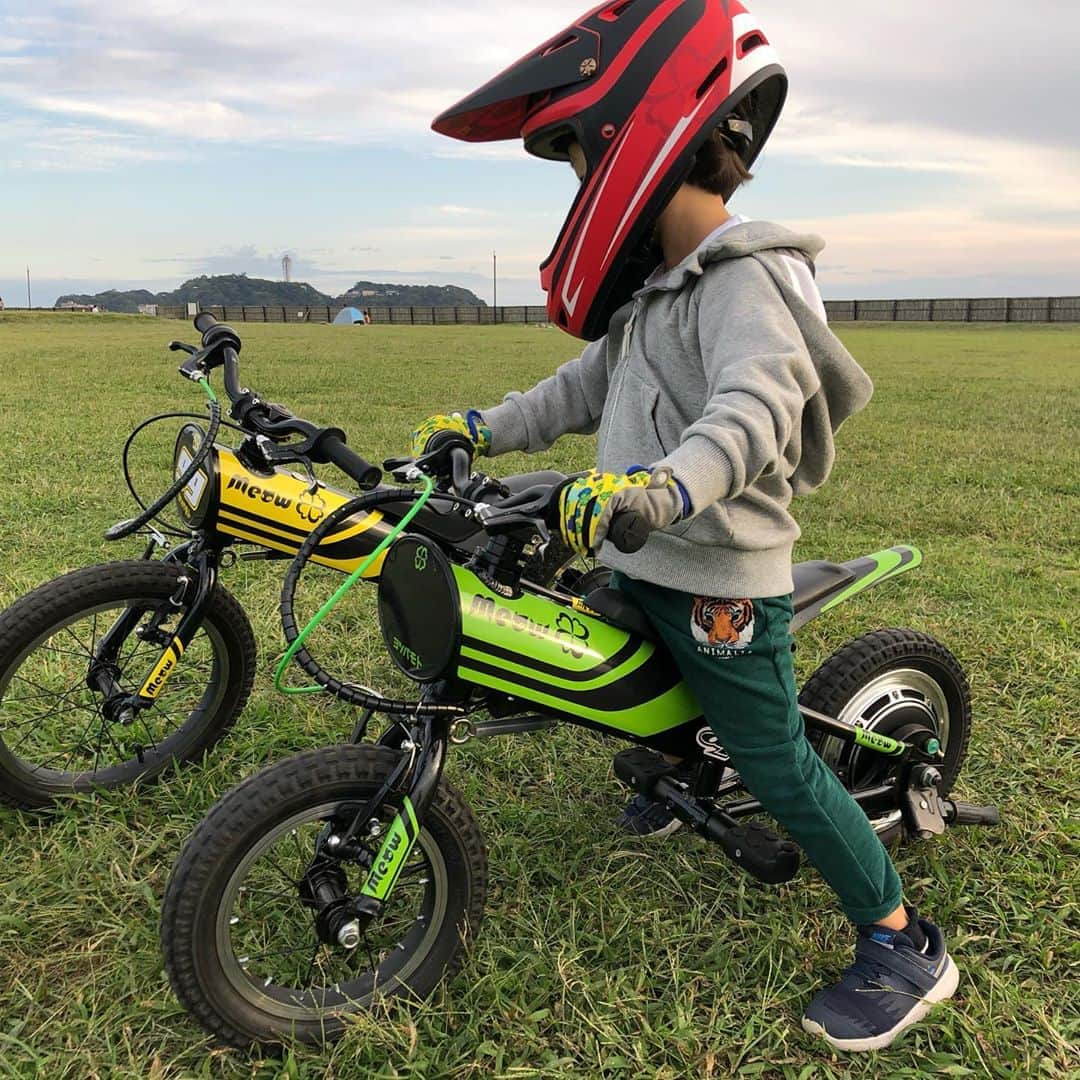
{"x": 342, "y": 875}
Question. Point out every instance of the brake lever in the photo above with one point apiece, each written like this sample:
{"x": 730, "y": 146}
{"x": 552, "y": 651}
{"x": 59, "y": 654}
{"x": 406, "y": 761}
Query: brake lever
{"x": 179, "y": 346}
{"x": 287, "y": 455}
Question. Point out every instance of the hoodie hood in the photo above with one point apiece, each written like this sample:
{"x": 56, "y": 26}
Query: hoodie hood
{"x": 746, "y": 238}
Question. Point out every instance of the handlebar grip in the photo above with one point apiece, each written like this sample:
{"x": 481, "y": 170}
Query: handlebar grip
{"x": 204, "y": 320}
{"x": 628, "y": 531}
{"x": 366, "y": 475}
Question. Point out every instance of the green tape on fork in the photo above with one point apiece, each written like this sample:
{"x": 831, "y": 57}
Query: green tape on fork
{"x": 871, "y": 740}
{"x": 399, "y": 841}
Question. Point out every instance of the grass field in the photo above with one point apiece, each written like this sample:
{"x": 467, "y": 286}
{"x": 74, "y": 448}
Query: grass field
{"x": 600, "y": 956}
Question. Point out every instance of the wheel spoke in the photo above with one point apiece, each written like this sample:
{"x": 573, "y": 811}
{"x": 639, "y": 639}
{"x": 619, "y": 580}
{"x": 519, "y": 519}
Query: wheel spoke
{"x": 85, "y": 651}
{"x": 35, "y": 719}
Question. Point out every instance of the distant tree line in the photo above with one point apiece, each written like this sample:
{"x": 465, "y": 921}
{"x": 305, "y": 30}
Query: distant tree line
{"x": 235, "y": 289}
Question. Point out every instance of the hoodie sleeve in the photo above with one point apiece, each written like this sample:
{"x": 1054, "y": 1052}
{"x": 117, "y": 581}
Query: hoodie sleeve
{"x": 570, "y": 402}
{"x": 759, "y": 376}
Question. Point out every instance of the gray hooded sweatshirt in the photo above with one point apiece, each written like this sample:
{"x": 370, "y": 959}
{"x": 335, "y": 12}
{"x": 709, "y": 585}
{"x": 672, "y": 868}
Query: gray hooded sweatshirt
{"x": 720, "y": 370}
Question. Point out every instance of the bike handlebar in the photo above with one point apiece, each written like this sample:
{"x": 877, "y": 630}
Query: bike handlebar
{"x": 366, "y": 475}
{"x": 628, "y": 531}
{"x": 221, "y": 347}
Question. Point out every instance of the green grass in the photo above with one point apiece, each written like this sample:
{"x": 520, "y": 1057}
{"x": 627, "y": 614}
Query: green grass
{"x": 600, "y": 956}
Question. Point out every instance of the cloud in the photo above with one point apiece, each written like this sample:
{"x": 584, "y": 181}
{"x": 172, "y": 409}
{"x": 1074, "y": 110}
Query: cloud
{"x": 976, "y": 99}
{"x": 466, "y": 211}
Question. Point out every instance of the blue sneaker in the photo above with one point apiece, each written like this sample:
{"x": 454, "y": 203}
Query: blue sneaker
{"x": 891, "y": 986}
{"x": 643, "y": 816}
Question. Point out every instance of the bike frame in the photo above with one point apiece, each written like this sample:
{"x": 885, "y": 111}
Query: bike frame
{"x": 237, "y": 497}
{"x": 474, "y": 646}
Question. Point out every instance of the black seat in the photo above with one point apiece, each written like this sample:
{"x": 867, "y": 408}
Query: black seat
{"x": 524, "y": 481}
{"x": 817, "y": 579}
{"x": 617, "y": 607}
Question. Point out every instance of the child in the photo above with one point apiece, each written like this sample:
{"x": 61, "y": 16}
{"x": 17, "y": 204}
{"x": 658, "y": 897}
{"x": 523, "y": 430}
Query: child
{"x": 716, "y": 393}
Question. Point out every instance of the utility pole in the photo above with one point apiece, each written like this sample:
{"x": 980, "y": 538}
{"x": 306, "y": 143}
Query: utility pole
{"x": 494, "y": 284}
{"x": 28, "y": 304}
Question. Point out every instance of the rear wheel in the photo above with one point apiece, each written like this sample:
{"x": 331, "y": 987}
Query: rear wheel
{"x": 243, "y": 951}
{"x": 890, "y": 682}
{"x": 59, "y": 733}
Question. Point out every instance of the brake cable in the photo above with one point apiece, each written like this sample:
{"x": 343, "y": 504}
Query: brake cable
{"x": 326, "y": 683}
{"x": 125, "y": 461}
{"x": 125, "y": 528}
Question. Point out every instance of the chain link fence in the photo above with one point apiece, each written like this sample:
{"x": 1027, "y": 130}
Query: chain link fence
{"x": 397, "y": 316}
{"x": 1045, "y": 309}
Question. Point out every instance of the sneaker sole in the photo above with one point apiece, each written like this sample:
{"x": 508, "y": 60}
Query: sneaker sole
{"x": 945, "y": 988}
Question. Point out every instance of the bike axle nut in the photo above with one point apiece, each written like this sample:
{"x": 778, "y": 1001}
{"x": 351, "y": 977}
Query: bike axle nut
{"x": 348, "y": 937}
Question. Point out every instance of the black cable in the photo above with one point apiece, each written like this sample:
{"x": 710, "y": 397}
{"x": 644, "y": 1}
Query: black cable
{"x": 347, "y": 692}
{"x": 167, "y": 527}
{"x": 125, "y": 528}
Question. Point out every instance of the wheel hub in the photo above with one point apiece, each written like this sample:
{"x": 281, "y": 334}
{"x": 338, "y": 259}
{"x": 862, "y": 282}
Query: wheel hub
{"x": 324, "y": 889}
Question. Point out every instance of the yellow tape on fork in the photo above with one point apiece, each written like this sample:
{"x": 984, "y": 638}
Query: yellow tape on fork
{"x": 159, "y": 675}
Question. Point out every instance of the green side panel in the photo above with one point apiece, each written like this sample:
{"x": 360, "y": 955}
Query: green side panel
{"x": 537, "y": 628}
{"x": 644, "y": 652}
{"x": 671, "y": 709}
{"x": 551, "y": 655}
{"x": 887, "y": 564}
{"x": 395, "y": 849}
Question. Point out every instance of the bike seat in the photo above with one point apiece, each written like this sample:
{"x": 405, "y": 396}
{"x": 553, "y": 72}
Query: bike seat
{"x": 815, "y": 580}
{"x": 618, "y": 608}
{"x": 524, "y": 481}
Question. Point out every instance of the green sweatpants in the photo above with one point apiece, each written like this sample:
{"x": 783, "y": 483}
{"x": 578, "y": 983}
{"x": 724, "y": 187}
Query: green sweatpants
{"x": 735, "y": 656}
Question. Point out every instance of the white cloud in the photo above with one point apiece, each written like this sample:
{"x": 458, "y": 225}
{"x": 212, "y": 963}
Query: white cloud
{"x": 941, "y": 244}
{"x": 977, "y": 94}
{"x": 465, "y": 211}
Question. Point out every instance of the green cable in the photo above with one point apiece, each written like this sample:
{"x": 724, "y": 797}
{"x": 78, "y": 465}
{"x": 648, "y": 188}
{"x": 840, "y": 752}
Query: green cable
{"x": 350, "y": 581}
{"x": 205, "y": 384}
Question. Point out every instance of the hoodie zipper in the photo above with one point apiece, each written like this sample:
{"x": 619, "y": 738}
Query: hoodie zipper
{"x": 620, "y": 367}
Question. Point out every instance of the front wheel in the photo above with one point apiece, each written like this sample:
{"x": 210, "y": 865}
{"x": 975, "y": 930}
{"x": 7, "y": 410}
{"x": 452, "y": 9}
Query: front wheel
{"x": 890, "y": 682}
{"x": 60, "y": 733}
{"x": 243, "y": 950}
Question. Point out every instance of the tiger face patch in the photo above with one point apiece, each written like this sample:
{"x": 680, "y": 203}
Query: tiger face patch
{"x": 722, "y": 627}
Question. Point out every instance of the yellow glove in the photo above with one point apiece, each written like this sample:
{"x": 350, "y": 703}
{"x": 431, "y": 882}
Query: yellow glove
{"x": 471, "y": 425}
{"x": 588, "y": 504}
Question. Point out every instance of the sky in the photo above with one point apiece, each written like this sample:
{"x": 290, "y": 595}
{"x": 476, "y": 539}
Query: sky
{"x": 935, "y": 147}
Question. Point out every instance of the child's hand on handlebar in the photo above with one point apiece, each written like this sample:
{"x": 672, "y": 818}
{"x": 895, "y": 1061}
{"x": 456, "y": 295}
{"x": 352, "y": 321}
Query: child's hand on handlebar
{"x": 588, "y": 504}
{"x": 471, "y": 425}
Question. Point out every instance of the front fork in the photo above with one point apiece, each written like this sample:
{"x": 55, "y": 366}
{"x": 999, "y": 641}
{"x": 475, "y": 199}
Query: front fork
{"x": 423, "y": 750}
{"x": 195, "y": 586}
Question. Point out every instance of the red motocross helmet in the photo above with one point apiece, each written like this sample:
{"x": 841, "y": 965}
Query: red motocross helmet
{"x": 641, "y": 85}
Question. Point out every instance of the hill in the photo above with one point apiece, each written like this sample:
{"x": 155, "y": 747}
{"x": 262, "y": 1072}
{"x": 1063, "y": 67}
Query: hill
{"x": 240, "y": 289}
{"x": 371, "y": 294}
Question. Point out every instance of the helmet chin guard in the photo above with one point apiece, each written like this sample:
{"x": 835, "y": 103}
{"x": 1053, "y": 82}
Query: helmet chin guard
{"x": 640, "y": 85}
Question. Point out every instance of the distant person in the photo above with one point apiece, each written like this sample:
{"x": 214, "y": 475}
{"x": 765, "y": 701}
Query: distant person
{"x": 716, "y": 387}
{"x": 367, "y": 317}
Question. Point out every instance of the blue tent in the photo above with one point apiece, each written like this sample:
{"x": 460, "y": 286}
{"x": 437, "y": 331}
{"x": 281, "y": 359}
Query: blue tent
{"x": 349, "y": 316}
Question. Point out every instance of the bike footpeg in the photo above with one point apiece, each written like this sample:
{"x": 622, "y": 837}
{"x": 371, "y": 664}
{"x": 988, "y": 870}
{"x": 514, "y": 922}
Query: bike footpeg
{"x": 966, "y": 814}
{"x": 757, "y": 849}
{"x": 641, "y": 768}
